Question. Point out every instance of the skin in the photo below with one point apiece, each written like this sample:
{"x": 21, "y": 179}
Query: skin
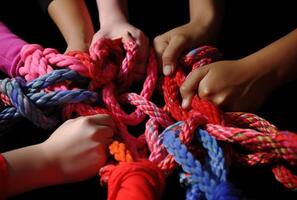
{"x": 74, "y": 152}
{"x": 250, "y": 79}
{"x": 205, "y": 20}
{"x": 73, "y": 20}
{"x": 113, "y": 17}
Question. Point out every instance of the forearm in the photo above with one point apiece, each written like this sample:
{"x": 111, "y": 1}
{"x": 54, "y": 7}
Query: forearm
{"x": 112, "y": 11}
{"x": 207, "y": 13}
{"x": 28, "y": 168}
{"x": 73, "y": 20}
{"x": 278, "y": 59}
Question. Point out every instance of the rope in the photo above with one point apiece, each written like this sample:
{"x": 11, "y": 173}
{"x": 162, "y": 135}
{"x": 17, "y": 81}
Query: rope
{"x": 267, "y": 144}
{"x": 210, "y": 179}
{"x": 29, "y": 105}
{"x": 77, "y": 83}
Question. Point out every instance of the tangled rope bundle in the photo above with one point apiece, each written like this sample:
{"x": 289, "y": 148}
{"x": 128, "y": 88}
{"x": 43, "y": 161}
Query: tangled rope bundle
{"x": 81, "y": 84}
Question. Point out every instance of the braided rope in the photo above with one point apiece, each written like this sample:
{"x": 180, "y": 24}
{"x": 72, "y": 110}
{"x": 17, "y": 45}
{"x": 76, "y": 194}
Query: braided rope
{"x": 109, "y": 69}
{"x": 203, "y": 179}
{"x": 29, "y": 105}
{"x": 263, "y": 139}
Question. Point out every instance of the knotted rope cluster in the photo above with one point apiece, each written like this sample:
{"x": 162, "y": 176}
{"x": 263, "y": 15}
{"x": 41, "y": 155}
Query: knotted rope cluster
{"x": 102, "y": 81}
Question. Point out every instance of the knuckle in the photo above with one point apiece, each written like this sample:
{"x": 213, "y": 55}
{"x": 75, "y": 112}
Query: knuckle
{"x": 166, "y": 57}
{"x": 108, "y": 132}
{"x": 157, "y": 39}
{"x": 183, "y": 90}
{"x": 107, "y": 117}
{"x": 219, "y": 100}
{"x": 85, "y": 121}
{"x": 205, "y": 92}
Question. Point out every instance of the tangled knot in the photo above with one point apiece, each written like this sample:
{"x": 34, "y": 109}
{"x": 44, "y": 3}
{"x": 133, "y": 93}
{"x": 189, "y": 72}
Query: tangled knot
{"x": 199, "y": 140}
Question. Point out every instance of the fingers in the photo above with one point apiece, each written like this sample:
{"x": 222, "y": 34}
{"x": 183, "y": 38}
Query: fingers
{"x": 126, "y": 37}
{"x": 104, "y": 134}
{"x": 171, "y": 53}
{"x": 141, "y": 41}
{"x": 160, "y": 44}
{"x": 190, "y": 86}
{"x": 102, "y": 120}
{"x": 143, "y": 44}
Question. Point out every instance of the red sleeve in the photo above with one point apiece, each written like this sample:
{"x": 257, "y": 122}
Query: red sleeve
{"x": 3, "y": 177}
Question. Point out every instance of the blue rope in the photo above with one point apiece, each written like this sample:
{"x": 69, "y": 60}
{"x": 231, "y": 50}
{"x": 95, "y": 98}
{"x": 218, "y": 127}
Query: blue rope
{"x": 62, "y": 97}
{"x": 54, "y": 77}
{"x": 23, "y": 105}
{"x": 210, "y": 180}
{"x": 29, "y": 105}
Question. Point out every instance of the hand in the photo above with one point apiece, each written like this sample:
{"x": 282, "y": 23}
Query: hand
{"x": 171, "y": 44}
{"x": 77, "y": 149}
{"x": 125, "y": 30}
{"x": 231, "y": 85}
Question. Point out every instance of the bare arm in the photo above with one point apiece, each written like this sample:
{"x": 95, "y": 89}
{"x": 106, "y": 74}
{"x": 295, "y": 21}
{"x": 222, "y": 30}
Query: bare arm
{"x": 73, "y": 20}
{"x": 74, "y": 152}
{"x": 205, "y": 19}
{"x": 114, "y": 24}
{"x": 250, "y": 79}
{"x": 112, "y": 11}
{"x": 28, "y": 169}
{"x": 208, "y": 14}
{"x": 278, "y": 58}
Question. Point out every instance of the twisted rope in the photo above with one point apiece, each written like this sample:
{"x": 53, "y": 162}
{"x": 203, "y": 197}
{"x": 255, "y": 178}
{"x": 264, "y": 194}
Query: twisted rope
{"x": 29, "y": 105}
{"x": 209, "y": 179}
{"x": 108, "y": 70}
{"x": 263, "y": 139}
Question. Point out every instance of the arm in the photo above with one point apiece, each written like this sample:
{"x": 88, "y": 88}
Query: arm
{"x": 73, "y": 20}
{"x": 112, "y": 11}
{"x": 205, "y": 19}
{"x": 250, "y": 79}
{"x": 74, "y": 152}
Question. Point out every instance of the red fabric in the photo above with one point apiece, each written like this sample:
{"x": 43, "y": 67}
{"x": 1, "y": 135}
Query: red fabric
{"x": 3, "y": 177}
{"x": 140, "y": 180}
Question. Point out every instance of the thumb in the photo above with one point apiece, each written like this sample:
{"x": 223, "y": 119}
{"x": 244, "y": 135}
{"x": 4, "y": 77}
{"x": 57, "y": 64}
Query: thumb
{"x": 190, "y": 86}
{"x": 171, "y": 53}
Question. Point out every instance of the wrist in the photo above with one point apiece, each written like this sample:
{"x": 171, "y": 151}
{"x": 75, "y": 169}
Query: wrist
{"x": 112, "y": 11}
{"x": 262, "y": 68}
{"x": 79, "y": 41}
{"x": 109, "y": 22}
{"x": 205, "y": 27}
{"x": 77, "y": 46}
{"x": 52, "y": 171}
{"x": 28, "y": 168}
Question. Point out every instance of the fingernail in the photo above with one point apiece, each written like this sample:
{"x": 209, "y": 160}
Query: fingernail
{"x": 167, "y": 69}
{"x": 184, "y": 103}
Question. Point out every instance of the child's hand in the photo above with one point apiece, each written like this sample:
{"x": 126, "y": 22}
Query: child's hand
{"x": 125, "y": 31}
{"x": 231, "y": 85}
{"x": 77, "y": 149}
{"x": 171, "y": 44}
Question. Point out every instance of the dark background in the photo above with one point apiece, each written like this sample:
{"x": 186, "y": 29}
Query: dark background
{"x": 247, "y": 27}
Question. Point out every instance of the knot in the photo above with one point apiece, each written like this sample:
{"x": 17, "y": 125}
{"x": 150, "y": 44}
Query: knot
{"x": 23, "y": 105}
{"x": 202, "y": 179}
{"x": 196, "y": 58}
{"x": 135, "y": 180}
{"x": 31, "y": 101}
{"x": 37, "y": 61}
{"x": 107, "y": 55}
{"x": 34, "y": 61}
{"x": 85, "y": 60}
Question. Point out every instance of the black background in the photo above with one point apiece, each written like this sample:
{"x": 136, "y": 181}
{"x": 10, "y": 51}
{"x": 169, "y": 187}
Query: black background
{"x": 247, "y": 27}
